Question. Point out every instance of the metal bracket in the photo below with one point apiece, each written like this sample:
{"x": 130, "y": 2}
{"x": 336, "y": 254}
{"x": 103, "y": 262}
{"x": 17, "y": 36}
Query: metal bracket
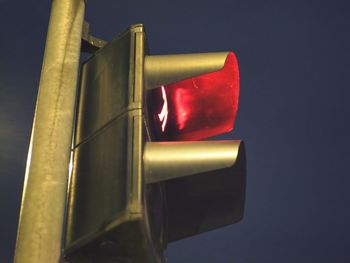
{"x": 89, "y": 43}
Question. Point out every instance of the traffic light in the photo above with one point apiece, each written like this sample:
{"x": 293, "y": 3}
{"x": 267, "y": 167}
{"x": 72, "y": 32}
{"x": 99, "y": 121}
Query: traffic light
{"x": 142, "y": 174}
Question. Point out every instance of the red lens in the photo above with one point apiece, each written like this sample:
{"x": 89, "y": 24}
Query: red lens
{"x": 199, "y": 107}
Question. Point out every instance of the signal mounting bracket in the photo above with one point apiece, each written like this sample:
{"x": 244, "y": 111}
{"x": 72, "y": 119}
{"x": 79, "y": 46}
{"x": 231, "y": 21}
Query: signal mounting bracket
{"x": 89, "y": 43}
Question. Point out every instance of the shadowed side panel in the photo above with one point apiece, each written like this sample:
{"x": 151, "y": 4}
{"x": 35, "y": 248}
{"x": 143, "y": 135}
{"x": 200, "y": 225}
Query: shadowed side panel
{"x": 99, "y": 183}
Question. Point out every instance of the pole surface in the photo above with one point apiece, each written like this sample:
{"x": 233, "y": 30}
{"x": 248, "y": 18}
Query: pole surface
{"x": 39, "y": 237}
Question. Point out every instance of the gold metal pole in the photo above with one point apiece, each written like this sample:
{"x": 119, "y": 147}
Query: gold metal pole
{"x": 40, "y": 228}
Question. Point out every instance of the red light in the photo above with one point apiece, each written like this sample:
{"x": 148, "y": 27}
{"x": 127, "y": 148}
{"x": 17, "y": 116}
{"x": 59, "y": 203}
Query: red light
{"x": 199, "y": 107}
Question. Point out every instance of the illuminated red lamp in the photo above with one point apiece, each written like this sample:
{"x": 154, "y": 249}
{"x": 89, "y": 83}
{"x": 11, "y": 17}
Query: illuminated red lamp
{"x": 198, "y": 107}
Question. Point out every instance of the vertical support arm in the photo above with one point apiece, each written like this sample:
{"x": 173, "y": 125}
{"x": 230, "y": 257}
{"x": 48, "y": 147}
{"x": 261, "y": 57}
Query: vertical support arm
{"x": 39, "y": 237}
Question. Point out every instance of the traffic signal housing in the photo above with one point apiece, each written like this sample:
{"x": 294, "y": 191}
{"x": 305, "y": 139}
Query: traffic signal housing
{"x": 142, "y": 175}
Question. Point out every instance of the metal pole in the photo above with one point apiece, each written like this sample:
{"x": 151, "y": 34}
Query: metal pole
{"x": 40, "y": 228}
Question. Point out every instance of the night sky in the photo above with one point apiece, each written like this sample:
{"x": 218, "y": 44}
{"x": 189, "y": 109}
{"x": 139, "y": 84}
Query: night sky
{"x": 294, "y": 115}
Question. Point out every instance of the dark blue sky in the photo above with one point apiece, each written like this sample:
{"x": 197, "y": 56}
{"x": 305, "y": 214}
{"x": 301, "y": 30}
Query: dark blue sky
{"x": 294, "y": 115}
